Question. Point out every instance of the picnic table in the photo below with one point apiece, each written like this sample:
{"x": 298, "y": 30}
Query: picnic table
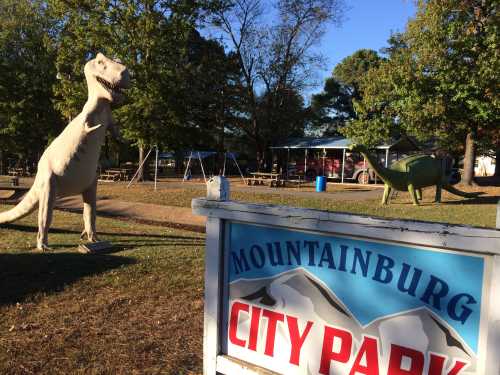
{"x": 115, "y": 174}
{"x": 296, "y": 180}
{"x": 265, "y": 178}
{"x": 16, "y": 172}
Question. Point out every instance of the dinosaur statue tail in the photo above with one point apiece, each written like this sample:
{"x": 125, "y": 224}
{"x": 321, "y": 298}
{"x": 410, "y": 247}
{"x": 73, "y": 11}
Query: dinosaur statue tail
{"x": 28, "y": 204}
{"x": 452, "y": 190}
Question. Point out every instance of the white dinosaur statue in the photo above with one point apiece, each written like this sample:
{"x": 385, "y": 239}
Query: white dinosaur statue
{"x": 69, "y": 165}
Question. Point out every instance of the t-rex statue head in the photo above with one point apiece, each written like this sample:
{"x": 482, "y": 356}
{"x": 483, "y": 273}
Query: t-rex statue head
{"x": 106, "y": 78}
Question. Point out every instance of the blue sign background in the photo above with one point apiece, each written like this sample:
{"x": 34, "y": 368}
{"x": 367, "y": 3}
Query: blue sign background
{"x": 367, "y": 299}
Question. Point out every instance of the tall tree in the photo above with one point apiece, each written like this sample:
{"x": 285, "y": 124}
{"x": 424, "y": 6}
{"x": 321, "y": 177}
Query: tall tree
{"x": 27, "y": 63}
{"x": 157, "y": 41}
{"x": 333, "y": 107}
{"x": 274, "y": 58}
{"x": 442, "y": 82}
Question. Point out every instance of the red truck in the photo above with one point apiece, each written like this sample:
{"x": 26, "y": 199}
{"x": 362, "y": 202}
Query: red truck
{"x": 331, "y": 167}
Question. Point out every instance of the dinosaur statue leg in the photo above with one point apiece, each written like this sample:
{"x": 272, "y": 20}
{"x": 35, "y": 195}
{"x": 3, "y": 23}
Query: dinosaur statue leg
{"x": 439, "y": 187}
{"x": 413, "y": 193}
{"x": 47, "y": 197}
{"x": 387, "y": 193}
{"x": 89, "y": 212}
{"x": 419, "y": 194}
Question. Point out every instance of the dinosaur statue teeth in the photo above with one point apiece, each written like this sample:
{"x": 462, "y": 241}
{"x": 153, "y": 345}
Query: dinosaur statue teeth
{"x": 110, "y": 87}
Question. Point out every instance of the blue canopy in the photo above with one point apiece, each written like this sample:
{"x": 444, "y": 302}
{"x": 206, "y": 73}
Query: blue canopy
{"x": 194, "y": 154}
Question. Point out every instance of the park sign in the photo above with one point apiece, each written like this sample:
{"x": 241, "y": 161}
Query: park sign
{"x": 298, "y": 291}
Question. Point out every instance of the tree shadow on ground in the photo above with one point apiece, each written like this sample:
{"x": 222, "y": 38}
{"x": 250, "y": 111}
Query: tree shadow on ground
{"x": 488, "y": 181}
{"x": 26, "y": 274}
{"x": 34, "y": 229}
{"x": 490, "y": 199}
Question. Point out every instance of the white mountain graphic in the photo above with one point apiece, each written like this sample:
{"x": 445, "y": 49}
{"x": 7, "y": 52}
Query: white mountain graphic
{"x": 300, "y": 294}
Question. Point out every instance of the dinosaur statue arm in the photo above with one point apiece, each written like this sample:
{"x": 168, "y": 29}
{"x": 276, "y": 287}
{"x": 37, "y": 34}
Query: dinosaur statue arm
{"x": 90, "y": 129}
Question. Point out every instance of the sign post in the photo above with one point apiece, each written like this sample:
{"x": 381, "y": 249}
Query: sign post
{"x": 298, "y": 291}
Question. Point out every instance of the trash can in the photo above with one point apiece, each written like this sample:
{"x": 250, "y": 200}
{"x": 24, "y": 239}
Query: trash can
{"x": 320, "y": 183}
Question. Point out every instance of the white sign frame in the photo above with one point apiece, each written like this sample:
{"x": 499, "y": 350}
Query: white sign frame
{"x": 440, "y": 236}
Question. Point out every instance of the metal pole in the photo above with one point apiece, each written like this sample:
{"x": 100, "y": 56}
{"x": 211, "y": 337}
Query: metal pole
{"x": 498, "y": 214}
{"x": 324, "y": 157}
{"x": 364, "y": 167}
{"x": 305, "y": 163}
{"x": 202, "y": 170}
{"x": 156, "y": 166}
{"x": 224, "y": 169}
{"x": 343, "y": 164}
{"x": 187, "y": 167}
{"x": 237, "y": 165}
{"x": 138, "y": 169}
{"x": 287, "y": 161}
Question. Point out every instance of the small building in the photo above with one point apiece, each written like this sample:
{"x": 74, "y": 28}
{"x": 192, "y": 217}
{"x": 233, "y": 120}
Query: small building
{"x": 331, "y": 157}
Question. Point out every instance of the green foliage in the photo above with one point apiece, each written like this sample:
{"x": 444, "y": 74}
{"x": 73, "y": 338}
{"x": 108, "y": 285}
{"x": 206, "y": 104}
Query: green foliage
{"x": 333, "y": 107}
{"x": 186, "y": 91}
{"x": 441, "y": 79}
{"x": 27, "y": 119}
{"x": 172, "y": 67}
{"x": 351, "y": 69}
{"x": 283, "y": 115}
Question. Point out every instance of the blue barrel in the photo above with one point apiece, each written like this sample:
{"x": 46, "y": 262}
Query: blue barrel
{"x": 320, "y": 183}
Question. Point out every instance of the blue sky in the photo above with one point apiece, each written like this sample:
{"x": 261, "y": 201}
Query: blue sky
{"x": 367, "y": 24}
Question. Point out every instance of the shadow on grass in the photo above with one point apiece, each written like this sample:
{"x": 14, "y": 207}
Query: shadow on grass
{"x": 34, "y": 229}
{"x": 488, "y": 181}
{"x": 478, "y": 200}
{"x": 24, "y": 275}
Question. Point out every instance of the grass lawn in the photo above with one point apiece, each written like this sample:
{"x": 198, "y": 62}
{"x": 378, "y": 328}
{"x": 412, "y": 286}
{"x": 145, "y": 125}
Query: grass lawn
{"x": 453, "y": 209}
{"x": 136, "y": 311}
{"x": 140, "y": 309}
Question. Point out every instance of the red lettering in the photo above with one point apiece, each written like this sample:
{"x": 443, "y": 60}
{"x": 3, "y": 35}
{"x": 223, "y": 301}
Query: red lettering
{"x": 459, "y": 365}
{"x": 396, "y": 359}
{"x": 233, "y": 323}
{"x": 254, "y": 328}
{"x": 369, "y": 348}
{"x": 296, "y": 339}
{"x": 273, "y": 319}
{"x": 437, "y": 364}
{"x": 327, "y": 355}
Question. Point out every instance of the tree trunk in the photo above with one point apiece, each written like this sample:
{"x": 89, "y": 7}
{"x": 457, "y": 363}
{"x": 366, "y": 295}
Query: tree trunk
{"x": 497, "y": 162}
{"x": 140, "y": 175}
{"x": 469, "y": 159}
{"x": 2, "y": 162}
{"x": 258, "y": 158}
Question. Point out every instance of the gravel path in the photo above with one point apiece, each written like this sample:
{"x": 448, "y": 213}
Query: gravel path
{"x": 142, "y": 212}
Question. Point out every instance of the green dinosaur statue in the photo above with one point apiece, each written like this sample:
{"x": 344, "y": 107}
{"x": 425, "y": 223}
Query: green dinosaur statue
{"x": 412, "y": 174}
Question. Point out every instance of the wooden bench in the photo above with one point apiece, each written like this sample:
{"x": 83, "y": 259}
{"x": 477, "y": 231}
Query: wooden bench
{"x": 109, "y": 176}
{"x": 16, "y": 172}
{"x": 264, "y": 178}
{"x": 297, "y": 181}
